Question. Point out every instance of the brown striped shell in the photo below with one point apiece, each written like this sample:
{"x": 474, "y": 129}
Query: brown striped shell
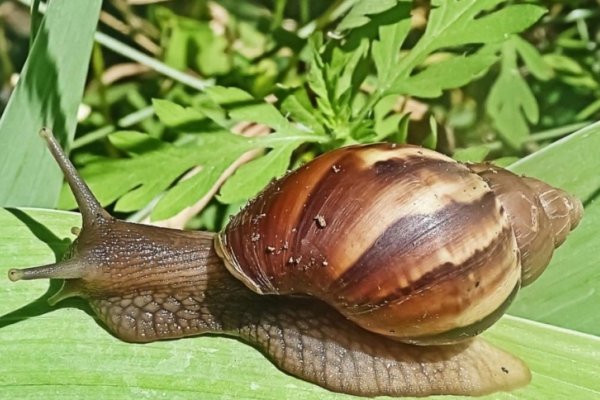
{"x": 402, "y": 240}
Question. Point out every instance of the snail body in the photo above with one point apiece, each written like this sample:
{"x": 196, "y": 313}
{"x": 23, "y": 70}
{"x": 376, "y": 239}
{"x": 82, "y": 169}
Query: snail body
{"x": 366, "y": 247}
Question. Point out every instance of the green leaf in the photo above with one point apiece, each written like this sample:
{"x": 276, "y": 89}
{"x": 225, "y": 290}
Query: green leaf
{"x": 316, "y": 78}
{"x": 563, "y": 63}
{"x": 150, "y": 174}
{"x": 54, "y": 345}
{"x": 48, "y": 94}
{"x": 430, "y": 141}
{"x": 457, "y": 22}
{"x": 135, "y": 143}
{"x": 344, "y": 83}
{"x": 453, "y": 72}
{"x": 299, "y": 108}
{"x": 386, "y": 50}
{"x": 471, "y": 154}
{"x": 253, "y": 176}
{"x": 533, "y": 60}
{"x": 511, "y": 104}
{"x": 242, "y": 106}
{"x": 358, "y": 14}
{"x": 568, "y": 292}
{"x": 450, "y": 24}
{"x": 174, "y": 115}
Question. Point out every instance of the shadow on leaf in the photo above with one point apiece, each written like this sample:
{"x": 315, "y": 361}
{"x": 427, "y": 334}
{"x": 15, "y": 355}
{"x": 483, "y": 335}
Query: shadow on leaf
{"x": 40, "y": 306}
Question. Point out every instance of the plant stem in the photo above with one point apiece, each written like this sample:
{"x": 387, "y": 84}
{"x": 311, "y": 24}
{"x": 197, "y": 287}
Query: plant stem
{"x": 332, "y": 13}
{"x": 544, "y": 135}
{"x": 136, "y": 55}
{"x": 125, "y": 122}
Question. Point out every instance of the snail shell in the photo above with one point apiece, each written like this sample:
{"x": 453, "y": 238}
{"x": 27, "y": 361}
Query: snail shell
{"x": 402, "y": 240}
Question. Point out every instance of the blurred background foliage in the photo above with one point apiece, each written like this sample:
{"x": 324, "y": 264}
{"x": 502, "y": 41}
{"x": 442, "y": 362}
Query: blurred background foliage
{"x": 319, "y": 64}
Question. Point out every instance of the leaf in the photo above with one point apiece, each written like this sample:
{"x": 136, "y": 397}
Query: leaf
{"x": 344, "y": 82}
{"x": 149, "y": 174}
{"x": 430, "y": 141}
{"x": 253, "y": 176}
{"x": 48, "y": 94}
{"x": 450, "y": 24}
{"x": 55, "y": 345}
{"x": 299, "y": 108}
{"x": 358, "y": 14}
{"x": 510, "y": 102}
{"x": 563, "y": 63}
{"x": 135, "y": 143}
{"x": 242, "y": 106}
{"x": 316, "y": 76}
{"x": 174, "y": 115}
{"x": 457, "y": 22}
{"x": 471, "y": 154}
{"x": 386, "y": 50}
{"x": 453, "y": 72}
{"x": 533, "y": 60}
{"x": 568, "y": 292}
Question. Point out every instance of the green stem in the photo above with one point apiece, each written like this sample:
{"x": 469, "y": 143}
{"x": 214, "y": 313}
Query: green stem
{"x": 304, "y": 11}
{"x": 334, "y": 11}
{"x": 136, "y": 55}
{"x": 98, "y": 70}
{"x": 405, "y": 66}
{"x": 553, "y": 133}
{"x": 125, "y": 122}
{"x": 278, "y": 13}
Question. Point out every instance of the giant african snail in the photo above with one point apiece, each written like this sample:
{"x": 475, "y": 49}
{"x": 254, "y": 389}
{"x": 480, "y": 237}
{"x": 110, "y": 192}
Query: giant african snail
{"x": 406, "y": 244}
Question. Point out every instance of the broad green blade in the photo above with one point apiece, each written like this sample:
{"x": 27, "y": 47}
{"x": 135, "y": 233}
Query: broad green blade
{"x": 48, "y": 94}
{"x": 61, "y": 352}
{"x": 568, "y": 292}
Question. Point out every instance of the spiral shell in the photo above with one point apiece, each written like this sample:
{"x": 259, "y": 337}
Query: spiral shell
{"x": 542, "y": 216}
{"x": 402, "y": 240}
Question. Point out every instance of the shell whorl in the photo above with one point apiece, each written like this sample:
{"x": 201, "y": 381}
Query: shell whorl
{"x": 541, "y": 215}
{"x": 402, "y": 240}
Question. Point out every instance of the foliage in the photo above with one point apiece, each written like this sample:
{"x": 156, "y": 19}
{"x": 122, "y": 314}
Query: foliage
{"x": 190, "y": 108}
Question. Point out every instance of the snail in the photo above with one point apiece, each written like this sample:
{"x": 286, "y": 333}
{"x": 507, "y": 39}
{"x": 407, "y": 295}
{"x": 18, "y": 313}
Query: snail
{"x": 370, "y": 270}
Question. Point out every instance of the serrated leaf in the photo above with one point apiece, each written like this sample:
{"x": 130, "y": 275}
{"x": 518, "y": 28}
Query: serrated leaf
{"x": 138, "y": 180}
{"x": 253, "y": 176}
{"x": 299, "y": 108}
{"x": 316, "y": 79}
{"x": 48, "y": 94}
{"x": 242, "y": 106}
{"x": 344, "y": 82}
{"x": 453, "y": 72}
{"x": 386, "y": 50}
{"x": 510, "y": 102}
{"x": 358, "y": 14}
{"x": 459, "y": 22}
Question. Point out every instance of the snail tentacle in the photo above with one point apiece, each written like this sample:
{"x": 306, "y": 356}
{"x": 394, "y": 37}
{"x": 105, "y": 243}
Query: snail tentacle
{"x": 89, "y": 206}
